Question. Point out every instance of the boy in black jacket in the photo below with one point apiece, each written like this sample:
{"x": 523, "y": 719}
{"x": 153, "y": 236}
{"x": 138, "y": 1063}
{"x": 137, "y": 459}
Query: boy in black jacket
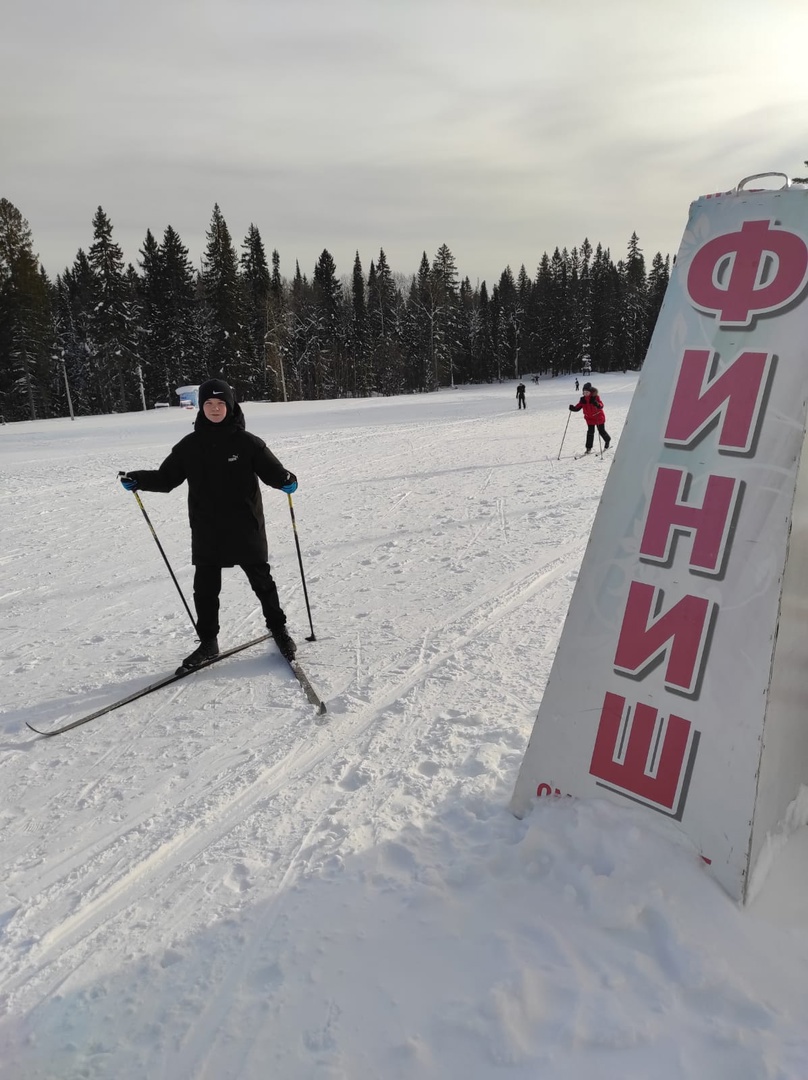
{"x": 223, "y": 463}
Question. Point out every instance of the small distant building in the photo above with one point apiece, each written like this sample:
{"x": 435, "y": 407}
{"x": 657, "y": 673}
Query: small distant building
{"x": 189, "y": 396}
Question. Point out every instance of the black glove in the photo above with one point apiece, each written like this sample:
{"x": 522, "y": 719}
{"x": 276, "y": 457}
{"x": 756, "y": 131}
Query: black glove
{"x": 128, "y": 481}
{"x": 572, "y": 408}
{"x": 291, "y": 484}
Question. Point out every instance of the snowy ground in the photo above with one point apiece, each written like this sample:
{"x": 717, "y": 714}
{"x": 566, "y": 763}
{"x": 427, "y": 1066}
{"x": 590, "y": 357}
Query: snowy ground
{"x": 210, "y": 884}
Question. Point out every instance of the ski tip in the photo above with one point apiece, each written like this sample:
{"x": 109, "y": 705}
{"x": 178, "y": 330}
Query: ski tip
{"x": 321, "y": 708}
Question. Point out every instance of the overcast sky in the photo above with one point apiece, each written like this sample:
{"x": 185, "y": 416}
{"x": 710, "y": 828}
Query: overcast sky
{"x": 503, "y": 128}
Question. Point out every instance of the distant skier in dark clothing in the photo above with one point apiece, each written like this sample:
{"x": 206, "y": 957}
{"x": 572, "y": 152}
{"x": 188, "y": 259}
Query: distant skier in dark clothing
{"x": 520, "y": 396}
{"x": 223, "y": 463}
{"x": 594, "y": 416}
{"x": 576, "y": 385}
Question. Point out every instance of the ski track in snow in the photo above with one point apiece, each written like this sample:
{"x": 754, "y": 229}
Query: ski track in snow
{"x": 191, "y": 806}
{"x": 106, "y": 894}
{"x": 176, "y": 839}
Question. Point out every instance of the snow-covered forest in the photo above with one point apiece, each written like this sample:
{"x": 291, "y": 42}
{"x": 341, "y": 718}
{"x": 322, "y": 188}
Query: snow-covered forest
{"x": 106, "y": 336}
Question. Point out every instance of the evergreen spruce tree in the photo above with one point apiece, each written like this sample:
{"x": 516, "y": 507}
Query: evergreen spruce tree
{"x": 412, "y": 366}
{"x": 560, "y": 349}
{"x": 223, "y": 339}
{"x": 27, "y": 385}
{"x": 583, "y": 304}
{"x": 75, "y": 297}
{"x": 554, "y": 304}
{"x": 544, "y": 324}
{"x": 148, "y": 292}
{"x": 255, "y": 280}
{"x": 66, "y": 348}
{"x": 111, "y": 325}
{"x": 424, "y": 329}
{"x": 444, "y": 285}
{"x": 137, "y": 336}
{"x": 615, "y": 352}
{"x": 606, "y": 318}
{"x": 359, "y": 384}
{"x": 178, "y": 328}
{"x": 573, "y": 345}
{"x": 482, "y": 339}
{"x": 327, "y": 339}
{"x": 658, "y": 279}
{"x": 169, "y": 330}
{"x": 508, "y": 325}
{"x": 525, "y": 313}
{"x": 299, "y": 287}
{"x": 635, "y": 306}
{"x": 372, "y": 370}
{"x": 384, "y": 329}
{"x": 276, "y": 281}
{"x": 276, "y": 341}
{"x": 301, "y": 337}
{"x": 466, "y": 327}
{"x": 499, "y": 334}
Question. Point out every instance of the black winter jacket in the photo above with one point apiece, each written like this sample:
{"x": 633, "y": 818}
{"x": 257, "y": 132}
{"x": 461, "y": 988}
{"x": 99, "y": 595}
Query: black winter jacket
{"x": 222, "y": 464}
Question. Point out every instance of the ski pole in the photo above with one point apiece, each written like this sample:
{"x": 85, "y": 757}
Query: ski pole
{"x": 563, "y": 437}
{"x": 165, "y": 558}
{"x": 312, "y": 637}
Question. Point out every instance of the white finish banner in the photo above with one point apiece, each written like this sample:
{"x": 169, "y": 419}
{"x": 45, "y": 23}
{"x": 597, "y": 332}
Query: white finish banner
{"x": 691, "y": 609}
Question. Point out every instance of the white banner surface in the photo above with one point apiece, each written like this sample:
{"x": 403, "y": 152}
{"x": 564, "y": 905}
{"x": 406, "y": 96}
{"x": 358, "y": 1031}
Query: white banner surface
{"x": 690, "y": 608}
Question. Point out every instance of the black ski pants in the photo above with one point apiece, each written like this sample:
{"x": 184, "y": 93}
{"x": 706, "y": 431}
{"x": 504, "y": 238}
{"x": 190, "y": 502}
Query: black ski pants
{"x": 590, "y": 435}
{"x": 208, "y": 585}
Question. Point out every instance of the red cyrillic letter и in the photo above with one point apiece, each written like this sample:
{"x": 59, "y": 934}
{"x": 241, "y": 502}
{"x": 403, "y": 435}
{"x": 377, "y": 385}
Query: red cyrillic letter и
{"x": 643, "y": 638}
{"x": 737, "y": 392}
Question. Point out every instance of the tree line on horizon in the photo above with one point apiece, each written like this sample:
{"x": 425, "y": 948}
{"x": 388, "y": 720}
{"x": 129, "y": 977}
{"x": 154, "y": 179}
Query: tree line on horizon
{"x": 107, "y": 337}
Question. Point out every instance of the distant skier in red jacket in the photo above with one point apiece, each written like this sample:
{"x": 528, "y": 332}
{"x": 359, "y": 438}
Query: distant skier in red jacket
{"x": 594, "y": 415}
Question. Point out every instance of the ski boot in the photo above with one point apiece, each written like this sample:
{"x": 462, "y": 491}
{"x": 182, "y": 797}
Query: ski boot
{"x": 285, "y": 644}
{"x": 208, "y": 649}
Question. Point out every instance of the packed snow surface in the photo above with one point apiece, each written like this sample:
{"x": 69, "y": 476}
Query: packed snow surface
{"x": 210, "y": 883}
